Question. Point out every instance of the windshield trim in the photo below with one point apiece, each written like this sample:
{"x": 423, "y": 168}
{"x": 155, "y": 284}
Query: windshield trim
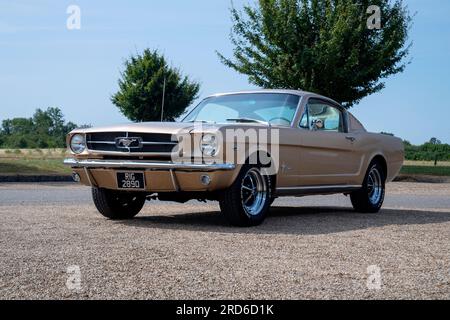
{"x": 246, "y": 93}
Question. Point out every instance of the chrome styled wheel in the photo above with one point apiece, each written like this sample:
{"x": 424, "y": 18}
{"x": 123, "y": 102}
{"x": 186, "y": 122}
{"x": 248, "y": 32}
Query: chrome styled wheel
{"x": 371, "y": 195}
{"x": 246, "y": 202}
{"x": 374, "y": 185}
{"x": 253, "y": 192}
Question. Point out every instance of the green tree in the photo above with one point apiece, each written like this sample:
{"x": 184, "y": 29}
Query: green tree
{"x": 20, "y": 125}
{"x": 46, "y": 129}
{"x": 324, "y": 46}
{"x": 42, "y": 122}
{"x": 435, "y": 141}
{"x": 6, "y": 126}
{"x": 141, "y": 89}
{"x": 434, "y": 150}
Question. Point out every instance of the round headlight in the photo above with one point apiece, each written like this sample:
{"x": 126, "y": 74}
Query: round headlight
{"x": 209, "y": 145}
{"x": 77, "y": 143}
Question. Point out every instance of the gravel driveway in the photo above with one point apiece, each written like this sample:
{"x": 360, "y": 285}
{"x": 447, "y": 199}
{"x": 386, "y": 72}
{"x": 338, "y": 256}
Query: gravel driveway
{"x": 309, "y": 248}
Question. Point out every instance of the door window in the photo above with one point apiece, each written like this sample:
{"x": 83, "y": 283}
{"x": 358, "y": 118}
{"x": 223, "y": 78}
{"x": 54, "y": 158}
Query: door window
{"x": 321, "y": 116}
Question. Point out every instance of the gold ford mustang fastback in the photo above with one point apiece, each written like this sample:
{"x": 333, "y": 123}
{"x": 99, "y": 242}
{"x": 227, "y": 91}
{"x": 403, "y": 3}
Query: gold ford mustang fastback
{"x": 243, "y": 149}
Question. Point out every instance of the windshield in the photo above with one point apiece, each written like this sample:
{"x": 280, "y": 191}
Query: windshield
{"x": 273, "y": 108}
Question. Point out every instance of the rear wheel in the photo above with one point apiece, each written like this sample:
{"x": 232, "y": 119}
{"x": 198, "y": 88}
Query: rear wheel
{"x": 117, "y": 205}
{"x": 247, "y": 201}
{"x": 370, "y": 197}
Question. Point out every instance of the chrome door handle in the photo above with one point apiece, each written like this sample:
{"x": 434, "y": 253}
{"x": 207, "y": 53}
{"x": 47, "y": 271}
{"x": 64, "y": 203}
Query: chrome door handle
{"x": 352, "y": 139}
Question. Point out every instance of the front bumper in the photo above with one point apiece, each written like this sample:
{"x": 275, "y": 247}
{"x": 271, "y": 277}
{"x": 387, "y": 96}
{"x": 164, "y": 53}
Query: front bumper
{"x": 159, "y": 176}
{"x": 148, "y": 165}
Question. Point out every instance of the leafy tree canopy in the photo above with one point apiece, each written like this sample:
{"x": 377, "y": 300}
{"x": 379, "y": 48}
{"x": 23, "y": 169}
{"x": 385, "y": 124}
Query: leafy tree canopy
{"x": 46, "y": 129}
{"x": 429, "y": 151}
{"x": 323, "y": 46}
{"x": 435, "y": 141}
{"x": 141, "y": 89}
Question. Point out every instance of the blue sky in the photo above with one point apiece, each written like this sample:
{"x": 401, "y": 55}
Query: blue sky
{"x": 43, "y": 64}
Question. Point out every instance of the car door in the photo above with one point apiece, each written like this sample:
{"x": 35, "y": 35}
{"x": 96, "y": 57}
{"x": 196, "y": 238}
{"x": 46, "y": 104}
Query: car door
{"x": 327, "y": 154}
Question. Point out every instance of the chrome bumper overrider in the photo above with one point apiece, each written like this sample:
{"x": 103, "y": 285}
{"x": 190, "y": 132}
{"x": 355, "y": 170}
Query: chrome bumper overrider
{"x": 150, "y": 165}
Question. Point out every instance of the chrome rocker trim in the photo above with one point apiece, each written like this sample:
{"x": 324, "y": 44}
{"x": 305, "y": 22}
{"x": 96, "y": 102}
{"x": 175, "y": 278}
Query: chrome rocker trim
{"x": 148, "y": 165}
{"x": 316, "y": 190}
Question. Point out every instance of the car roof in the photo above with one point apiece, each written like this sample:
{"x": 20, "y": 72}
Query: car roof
{"x": 284, "y": 91}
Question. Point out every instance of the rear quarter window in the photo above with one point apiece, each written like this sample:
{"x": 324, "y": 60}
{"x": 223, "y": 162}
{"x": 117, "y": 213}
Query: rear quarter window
{"x": 354, "y": 124}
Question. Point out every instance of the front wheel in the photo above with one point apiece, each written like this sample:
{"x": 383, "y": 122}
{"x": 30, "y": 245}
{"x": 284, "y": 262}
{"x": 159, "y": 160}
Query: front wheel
{"x": 370, "y": 197}
{"x": 117, "y": 205}
{"x": 247, "y": 201}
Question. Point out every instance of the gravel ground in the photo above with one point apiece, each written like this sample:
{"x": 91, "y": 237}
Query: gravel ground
{"x": 309, "y": 248}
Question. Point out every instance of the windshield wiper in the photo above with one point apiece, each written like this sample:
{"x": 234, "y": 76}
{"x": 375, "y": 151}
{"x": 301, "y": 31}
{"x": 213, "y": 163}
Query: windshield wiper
{"x": 202, "y": 121}
{"x": 247, "y": 120}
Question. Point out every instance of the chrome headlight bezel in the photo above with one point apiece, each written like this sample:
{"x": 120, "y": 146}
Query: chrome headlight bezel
{"x": 78, "y": 143}
{"x": 209, "y": 145}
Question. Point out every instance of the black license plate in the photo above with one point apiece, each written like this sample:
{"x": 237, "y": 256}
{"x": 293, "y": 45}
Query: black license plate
{"x": 130, "y": 180}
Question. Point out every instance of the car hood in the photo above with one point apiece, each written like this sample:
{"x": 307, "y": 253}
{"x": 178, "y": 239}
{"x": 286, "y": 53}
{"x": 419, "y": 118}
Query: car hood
{"x": 167, "y": 127}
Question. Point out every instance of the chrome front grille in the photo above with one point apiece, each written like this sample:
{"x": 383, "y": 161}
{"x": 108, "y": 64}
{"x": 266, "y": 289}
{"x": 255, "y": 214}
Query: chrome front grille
{"x": 130, "y": 142}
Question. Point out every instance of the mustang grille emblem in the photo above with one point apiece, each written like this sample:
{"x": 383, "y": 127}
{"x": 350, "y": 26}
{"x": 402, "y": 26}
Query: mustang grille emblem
{"x": 129, "y": 143}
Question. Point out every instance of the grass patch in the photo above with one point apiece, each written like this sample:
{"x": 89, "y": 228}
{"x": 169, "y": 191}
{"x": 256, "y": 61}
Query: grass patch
{"x": 426, "y": 170}
{"x": 33, "y": 166}
{"x": 32, "y": 153}
{"x": 33, "y": 161}
{"x": 426, "y": 163}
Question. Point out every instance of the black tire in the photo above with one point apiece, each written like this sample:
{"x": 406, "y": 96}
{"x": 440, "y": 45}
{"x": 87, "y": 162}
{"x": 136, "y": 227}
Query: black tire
{"x": 232, "y": 199}
{"x": 370, "y": 197}
{"x": 272, "y": 200}
{"x": 117, "y": 205}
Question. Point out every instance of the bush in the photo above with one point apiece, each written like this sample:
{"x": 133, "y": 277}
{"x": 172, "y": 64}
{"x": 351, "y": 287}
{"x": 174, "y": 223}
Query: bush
{"x": 427, "y": 152}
